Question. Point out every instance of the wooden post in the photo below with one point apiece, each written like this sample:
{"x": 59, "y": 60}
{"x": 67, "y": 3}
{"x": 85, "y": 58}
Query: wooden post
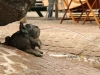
{"x": 56, "y": 9}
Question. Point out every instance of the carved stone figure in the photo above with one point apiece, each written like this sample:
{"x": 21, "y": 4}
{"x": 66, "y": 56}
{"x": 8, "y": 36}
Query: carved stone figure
{"x": 26, "y": 39}
{"x": 13, "y": 10}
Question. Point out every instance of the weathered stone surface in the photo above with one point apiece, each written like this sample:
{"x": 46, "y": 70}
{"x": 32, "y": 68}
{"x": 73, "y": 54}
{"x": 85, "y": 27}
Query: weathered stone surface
{"x": 53, "y": 48}
{"x": 96, "y": 65}
{"x": 45, "y": 47}
{"x": 2, "y": 68}
{"x": 13, "y": 10}
{"x": 72, "y": 43}
{"x": 49, "y": 65}
{"x": 3, "y": 51}
{"x": 2, "y": 60}
{"x": 13, "y": 74}
{"x": 17, "y": 67}
{"x": 15, "y": 58}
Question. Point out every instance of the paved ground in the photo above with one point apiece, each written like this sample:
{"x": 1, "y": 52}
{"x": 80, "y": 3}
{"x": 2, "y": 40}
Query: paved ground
{"x": 68, "y": 50}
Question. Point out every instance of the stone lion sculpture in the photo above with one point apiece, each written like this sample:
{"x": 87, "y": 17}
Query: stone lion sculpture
{"x": 26, "y": 39}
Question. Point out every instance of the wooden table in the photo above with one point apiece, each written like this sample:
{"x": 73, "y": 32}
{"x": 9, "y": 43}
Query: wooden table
{"x": 87, "y": 15}
{"x": 38, "y": 9}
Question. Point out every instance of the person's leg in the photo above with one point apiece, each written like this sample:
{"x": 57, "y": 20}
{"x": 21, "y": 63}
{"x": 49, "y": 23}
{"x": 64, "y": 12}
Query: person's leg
{"x": 50, "y": 7}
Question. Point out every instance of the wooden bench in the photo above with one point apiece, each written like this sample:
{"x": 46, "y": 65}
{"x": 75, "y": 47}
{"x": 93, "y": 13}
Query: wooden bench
{"x": 38, "y": 9}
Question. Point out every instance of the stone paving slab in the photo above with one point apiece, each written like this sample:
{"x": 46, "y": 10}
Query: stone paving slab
{"x": 16, "y": 62}
{"x": 79, "y": 53}
{"x": 71, "y": 42}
